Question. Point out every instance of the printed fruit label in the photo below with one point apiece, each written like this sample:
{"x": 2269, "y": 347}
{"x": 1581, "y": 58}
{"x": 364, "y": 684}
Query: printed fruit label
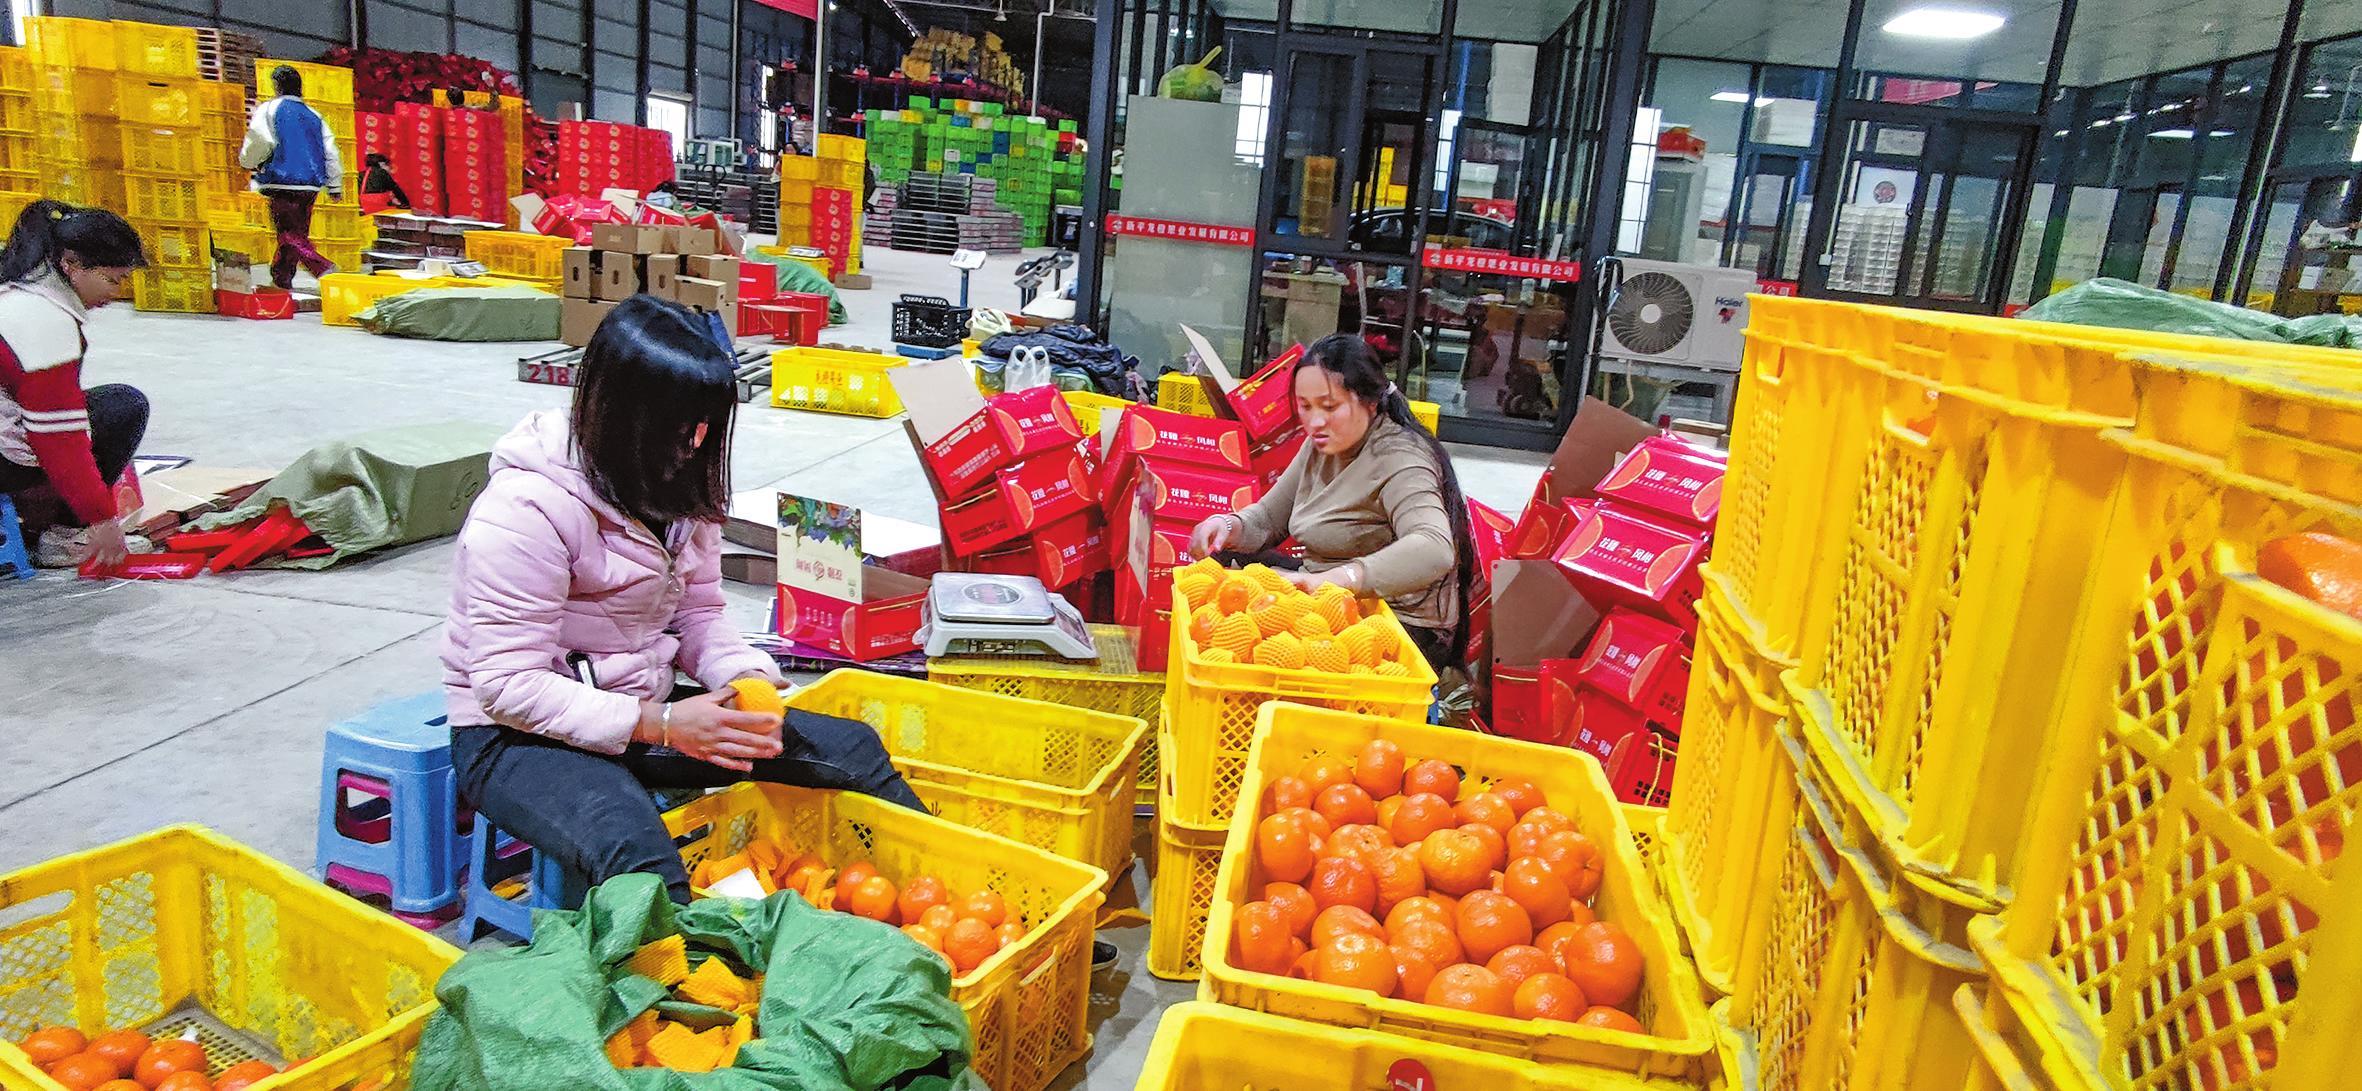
{"x": 1669, "y": 563}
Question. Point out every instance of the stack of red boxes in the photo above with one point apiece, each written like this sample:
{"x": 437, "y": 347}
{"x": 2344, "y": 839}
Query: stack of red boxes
{"x": 373, "y": 134}
{"x": 417, "y": 152}
{"x": 595, "y": 156}
{"x": 1629, "y": 546}
{"x": 1163, "y": 473}
{"x": 833, "y": 224}
{"x": 1016, "y": 483}
{"x": 475, "y": 164}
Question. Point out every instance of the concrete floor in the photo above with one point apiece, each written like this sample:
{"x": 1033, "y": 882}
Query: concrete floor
{"x": 127, "y": 706}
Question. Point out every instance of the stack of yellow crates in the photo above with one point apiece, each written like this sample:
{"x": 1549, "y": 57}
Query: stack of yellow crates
{"x": 820, "y": 199}
{"x": 81, "y": 145}
{"x": 160, "y": 111}
{"x": 237, "y": 217}
{"x": 20, "y": 171}
{"x": 512, "y": 123}
{"x": 337, "y": 223}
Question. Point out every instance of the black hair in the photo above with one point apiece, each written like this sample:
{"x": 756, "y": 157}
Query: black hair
{"x": 49, "y": 230}
{"x": 377, "y": 159}
{"x": 286, "y": 80}
{"x": 651, "y": 374}
{"x": 1354, "y": 365}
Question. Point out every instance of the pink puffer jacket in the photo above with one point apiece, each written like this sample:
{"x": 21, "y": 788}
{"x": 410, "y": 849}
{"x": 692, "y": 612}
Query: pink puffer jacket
{"x": 547, "y": 568}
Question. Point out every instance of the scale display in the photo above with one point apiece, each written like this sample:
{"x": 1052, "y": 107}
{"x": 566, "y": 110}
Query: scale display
{"x": 982, "y": 614}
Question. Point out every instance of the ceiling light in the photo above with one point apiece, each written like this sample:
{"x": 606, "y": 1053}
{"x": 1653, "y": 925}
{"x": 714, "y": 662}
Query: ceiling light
{"x": 2186, "y": 134}
{"x": 1738, "y": 97}
{"x": 1952, "y": 24}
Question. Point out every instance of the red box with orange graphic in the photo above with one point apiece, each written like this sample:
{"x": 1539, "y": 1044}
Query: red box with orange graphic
{"x": 1625, "y": 558}
{"x": 1048, "y": 487}
{"x": 1071, "y": 549}
{"x": 874, "y": 628}
{"x": 1668, "y": 477}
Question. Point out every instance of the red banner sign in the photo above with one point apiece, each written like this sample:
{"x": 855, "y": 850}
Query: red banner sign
{"x": 809, "y": 9}
{"x": 1776, "y": 287}
{"x": 1180, "y": 231}
{"x": 1500, "y": 262}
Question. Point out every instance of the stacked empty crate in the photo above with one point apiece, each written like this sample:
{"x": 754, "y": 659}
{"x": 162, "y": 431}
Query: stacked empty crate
{"x": 820, "y": 200}
{"x": 20, "y": 177}
{"x": 1035, "y": 164}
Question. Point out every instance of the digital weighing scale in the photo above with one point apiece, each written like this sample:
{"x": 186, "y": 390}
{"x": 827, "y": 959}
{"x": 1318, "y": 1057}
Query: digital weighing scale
{"x": 980, "y": 614}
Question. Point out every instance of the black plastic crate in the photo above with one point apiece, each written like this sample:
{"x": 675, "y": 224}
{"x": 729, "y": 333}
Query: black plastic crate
{"x": 929, "y": 322}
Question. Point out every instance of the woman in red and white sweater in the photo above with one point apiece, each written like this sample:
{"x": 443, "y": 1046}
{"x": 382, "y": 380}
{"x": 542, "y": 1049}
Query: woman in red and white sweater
{"x": 60, "y": 262}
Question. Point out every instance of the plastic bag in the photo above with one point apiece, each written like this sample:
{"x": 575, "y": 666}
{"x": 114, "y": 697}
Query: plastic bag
{"x": 2106, "y": 301}
{"x": 465, "y": 314}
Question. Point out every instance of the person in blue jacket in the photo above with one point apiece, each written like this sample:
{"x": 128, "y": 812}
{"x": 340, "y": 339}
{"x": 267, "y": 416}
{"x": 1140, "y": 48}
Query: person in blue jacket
{"x": 293, "y": 157}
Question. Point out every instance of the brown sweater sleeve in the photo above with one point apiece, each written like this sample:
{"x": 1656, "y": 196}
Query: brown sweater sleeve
{"x": 1411, "y": 496}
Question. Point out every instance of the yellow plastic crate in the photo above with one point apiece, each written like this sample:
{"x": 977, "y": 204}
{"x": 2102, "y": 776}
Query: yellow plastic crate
{"x": 174, "y": 153}
{"x": 344, "y": 295}
{"x": 519, "y": 253}
{"x": 183, "y": 291}
{"x": 835, "y": 381}
{"x": 798, "y": 168}
{"x": 1202, "y": 1047}
{"x": 12, "y": 205}
{"x": 1212, "y": 706}
{"x": 154, "y": 100}
{"x": 1764, "y": 541}
{"x": 1051, "y": 776}
{"x": 1679, "y": 1046}
{"x": 153, "y": 197}
{"x": 72, "y": 94}
{"x": 16, "y": 70}
{"x": 337, "y": 223}
{"x": 19, "y": 157}
{"x": 136, "y": 933}
{"x": 156, "y": 50}
{"x": 259, "y": 244}
{"x": 1112, "y": 683}
{"x": 178, "y": 245}
{"x": 1718, "y": 831}
{"x": 323, "y": 85}
{"x": 1188, "y": 864}
{"x": 1028, "y": 1006}
{"x": 60, "y": 42}
{"x": 1428, "y": 414}
{"x": 1087, "y": 405}
{"x": 17, "y": 116}
{"x": 1183, "y": 393}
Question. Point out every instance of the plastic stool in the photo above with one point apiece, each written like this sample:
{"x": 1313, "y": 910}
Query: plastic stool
{"x": 13, "y": 554}
{"x": 497, "y": 858}
{"x": 404, "y": 840}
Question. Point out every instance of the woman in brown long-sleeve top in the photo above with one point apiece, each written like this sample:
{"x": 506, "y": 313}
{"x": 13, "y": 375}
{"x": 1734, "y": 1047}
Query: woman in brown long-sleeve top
{"x": 1371, "y": 497}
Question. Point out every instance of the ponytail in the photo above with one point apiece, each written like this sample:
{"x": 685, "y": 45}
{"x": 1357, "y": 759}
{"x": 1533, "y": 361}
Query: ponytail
{"x": 49, "y": 230}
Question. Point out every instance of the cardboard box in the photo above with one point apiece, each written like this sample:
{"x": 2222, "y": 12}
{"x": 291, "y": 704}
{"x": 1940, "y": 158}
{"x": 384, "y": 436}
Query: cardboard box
{"x": 1149, "y": 432}
{"x": 975, "y": 523}
{"x": 1538, "y": 614}
{"x": 1185, "y": 494}
{"x": 582, "y": 273}
{"x": 1008, "y": 560}
{"x": 1072, "y": 549}
{"x": 1518, "y": 707}
{"x": 619, "y": 278}
{"x": 1273, "y": 459}
{"x": 1623, "y": 558}
{"x": 628, "y": 238}
{"x": 828, "y": 598}
{"x": 1488, "y": 531}
{"x": 1151, "y": 627}
{"x": 1640, "y": 766}
{"x": 663, "y": 270}
{"x": 1048, "y": 487}
{"x": 913, "y": 549}
{"x": 711, "y": 296}
{"x": 1668, "y": 477}
{"x": 1034, "y": 420}
{"x": 689, "y": 241}
{"x": 709, "y": 266}
{"x": 956, "y": 439}
{"x": 579, "y": 318}
{"x": 1594, "y": 442}
{"x": 1265, "y": 403}
{"x": 1641, "y": 661}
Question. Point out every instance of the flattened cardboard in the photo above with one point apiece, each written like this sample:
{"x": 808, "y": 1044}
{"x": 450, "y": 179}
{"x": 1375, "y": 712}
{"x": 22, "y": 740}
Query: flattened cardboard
{"x": 1537, "y": 614}
{"x": 1595, "y": 440}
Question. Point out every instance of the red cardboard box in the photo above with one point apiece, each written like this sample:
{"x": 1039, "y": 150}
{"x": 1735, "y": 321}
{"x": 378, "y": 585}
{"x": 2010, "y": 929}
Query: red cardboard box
{"x": 1071, "y": 549}
{"x": 1146, "y": 432}
{"x": 1669, "y": 477}
{"x": 1640, "y": 767}
{"x": 1048, "y": 487}
{"x": 1151, "y": 627}
{"x": 1544, "y": 525}
{"x": 828, "y": 598}
{"x": 1519, "y": 711}
{"x": 977, "y": 522}
{"x": 1273, "y": 459}
{"x": 1489, "y": 531}
{"x": 1595, "y": 441}
{"x": 1265, "y": 403}
{"x": 1641, "y": 661}
{"x": 1011, "y": 560}
{"x": 876, "y": 628}
{"x": 957, "y": 440}
{"x": 1032, "y": 421}
{"x": 1624, "y": 558}
{"x": 1185, "y": 495}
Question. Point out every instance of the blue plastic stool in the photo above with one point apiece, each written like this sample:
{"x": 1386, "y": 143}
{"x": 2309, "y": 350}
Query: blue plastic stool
{"x": 13, "y": 554}
{"x": 497, "y": 858}
{"x": 403, "y": 840}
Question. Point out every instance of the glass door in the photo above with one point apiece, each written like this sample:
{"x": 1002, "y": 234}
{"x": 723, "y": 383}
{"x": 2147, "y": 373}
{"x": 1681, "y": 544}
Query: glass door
{"x": 1768, "y": 210}
{"x": 1923, "y": 202}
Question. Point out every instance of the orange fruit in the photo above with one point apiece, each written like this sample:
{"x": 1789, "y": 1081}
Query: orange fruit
{"x": 928, "y": 938}
{"x": 1340, "y": 919}
{"x": 1604, "y": 960}
{"x": 756, "y": 695}
{"x": 1378, "y": 768}
{"x": 1450, "y": 905}
{"x": 969, "y": 943}
{"x": 1363, "y": 843}
{"x": 1356, "y": 961}
{"x": 919, "y": 895}
{"x": 167, "y": 1057}
{"x": 1410, "y": 908}
{"x": 50, "y": 1045}
{"x": 1312, "y": 821}
{"x": 984, "y": 905}
{"x": 1301, "y": 969}
{"x": 121, "y": 1085}
{"x": 1530, "y": 883}
{"x": 1345, "y": 805}
{"x": 1547, "y": 818}
{"x": 1575, "y": 860}
{"x": 1488, "y": 809}
{"x": 1522, "y": 961}
{"x": 1432, "y": 776}
{"x": 1496, "y": 847}
{"x": 1611, "y": 1019}
{"x": 1399, "y": 876}
{"x": 1420, "y": 815}
{"x": 1281, "y": 650}
{"x": 1433, "y": 940}
{"x": 1520, "y": 795}
{"x": 1548, "y": 995}
{"x": 84, "y": 1071}
{"x": 1525, "y": 839}
{"x": 188, "y": 1079}
{"x": 1287, "y": 792}
{"x": 1340, "y": 880}
{"x": 939, "y": 919}
{"x": 1236, "y": 592}
{"x": 120, "y": 1048}
{"x": 1387, "y": 809}
{"x": 1284, "y": 849}
{"x": 1553, "y": 940}
{"x": 1202, "y": 622}
{"x": 243, "y": 1073}
{"x": 2322, "y": 567}
{"x": 1470, "y": 988}
{"x": 1489, "y": 922}
{"x": 1261, "y": 940}
{"x": 1325, "y": 772}
{"x": 796, "y": 874}
{"x": 875, "y": 899}
{"x": 1295, "y": 904}
{"x": 1009, "y": 933}
{"x": 853, "y": 875}
{"x": 1454, "y": 861}
{"x": 1413, "y": 972}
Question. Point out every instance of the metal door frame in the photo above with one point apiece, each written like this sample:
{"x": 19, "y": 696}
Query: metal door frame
{"x": 1944, "y": 127}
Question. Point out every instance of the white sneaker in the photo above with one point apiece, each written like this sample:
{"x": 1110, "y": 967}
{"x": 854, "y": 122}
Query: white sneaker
{"x": 64, "y": 547}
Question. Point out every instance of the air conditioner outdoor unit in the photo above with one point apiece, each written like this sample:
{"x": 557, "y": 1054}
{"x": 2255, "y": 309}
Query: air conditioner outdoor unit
{"x": 1665, "y": 313}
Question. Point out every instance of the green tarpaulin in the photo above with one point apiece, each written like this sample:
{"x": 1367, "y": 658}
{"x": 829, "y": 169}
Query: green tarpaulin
{"x": 465, "y": 314}
{"x": 386, "y": 488}
{"x": 2122, "y": 304}
{"x": 795, "y": 276}
{"x": 847, "y": 1003}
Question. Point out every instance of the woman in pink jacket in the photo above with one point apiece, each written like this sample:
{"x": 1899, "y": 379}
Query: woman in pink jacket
{"x": 587, "y": 574}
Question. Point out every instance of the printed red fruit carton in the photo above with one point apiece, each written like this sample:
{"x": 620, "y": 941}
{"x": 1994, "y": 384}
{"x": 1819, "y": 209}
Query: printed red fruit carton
{"x": 1151, "y": 627}
{"x": 1595, "y": 441}
{"x": 1003, "y": 560}
{"x": 1264, "y": 403}
{"x": 957, "y": 440}
{"x": 976, "y": 522}
{"x": 1049, "y": 486}
{"x": 1641, "y": 661}
{"x": 1176, "y": 493}
{"x": 1033, "y": 421}
{"x": 1624, "y": 558}
{"x": 1521, "y": 702}
{"x": 1488, "y": 531}
{"x": 828, "y": 598}
{"x": 1669, "y": 477}
{"x": 1149, "y": 434}
{"x": 1071, "y": 549}
{"x": 1273, "y": 459}
{"x": 1157, "y": 548}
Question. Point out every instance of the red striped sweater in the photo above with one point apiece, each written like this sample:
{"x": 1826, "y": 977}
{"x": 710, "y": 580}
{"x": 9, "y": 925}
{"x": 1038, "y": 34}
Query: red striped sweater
{"x": 44, "y": 419}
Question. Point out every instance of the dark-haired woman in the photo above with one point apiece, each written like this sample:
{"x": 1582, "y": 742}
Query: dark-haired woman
{"x": 587, "y": 574}
{"x": 61, "y": 263}
{"x": 1371, "y": 498}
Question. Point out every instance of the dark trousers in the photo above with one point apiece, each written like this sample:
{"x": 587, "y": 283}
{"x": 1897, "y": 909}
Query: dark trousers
{"x": 593, "y": 811}
{"x": 118, "y": 421}
{"x": 291, "y": 217}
